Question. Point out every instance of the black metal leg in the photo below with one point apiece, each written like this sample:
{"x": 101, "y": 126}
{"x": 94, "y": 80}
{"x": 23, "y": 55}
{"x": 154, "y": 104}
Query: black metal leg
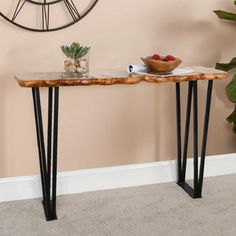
{"x": 205, "y": 132}
{"x": 186, "y": 136}
{"x": 196, "y": 190}
{"x": 55, "y": 141}
{"x": 178, "y": 116}
{"x": 195, "y": 140}
{"x": 48, "y": 165}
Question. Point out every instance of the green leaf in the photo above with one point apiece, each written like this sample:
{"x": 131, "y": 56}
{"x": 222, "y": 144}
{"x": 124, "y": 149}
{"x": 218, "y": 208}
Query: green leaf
{"x": 227, "y": 66}
{"x": 78, "y": 53}
{"x": 234, "y": 128}
{"x": 232, "y": 119}
{"x": 66, "y": 51}
{"x": 224, "y": 15}
{"x": 75, "y": 50}
{"x": 231, "y": 90}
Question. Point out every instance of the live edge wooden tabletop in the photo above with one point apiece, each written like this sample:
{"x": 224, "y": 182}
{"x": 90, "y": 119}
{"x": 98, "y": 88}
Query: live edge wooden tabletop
{"x": 56, "y": 79}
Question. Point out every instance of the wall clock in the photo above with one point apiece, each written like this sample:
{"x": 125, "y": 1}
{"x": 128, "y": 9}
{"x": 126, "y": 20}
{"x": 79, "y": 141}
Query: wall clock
{"x": 45, "y": 15}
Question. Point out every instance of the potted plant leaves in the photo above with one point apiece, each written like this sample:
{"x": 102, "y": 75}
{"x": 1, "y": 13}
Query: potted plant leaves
{"x": 231, "y": 87}
{"x": 77, "y": 60}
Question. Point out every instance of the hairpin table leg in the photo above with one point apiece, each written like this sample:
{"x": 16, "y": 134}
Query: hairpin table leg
{"x": 48, "y": 165}
{"x": 196, "y": 190}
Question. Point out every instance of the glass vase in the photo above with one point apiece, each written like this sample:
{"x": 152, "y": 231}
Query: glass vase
{"x": 78, "y": 67}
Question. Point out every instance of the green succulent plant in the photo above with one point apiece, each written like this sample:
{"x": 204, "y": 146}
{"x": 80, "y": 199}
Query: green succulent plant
{"x": 231, "y": 87}
{"x": 75, "y": 50}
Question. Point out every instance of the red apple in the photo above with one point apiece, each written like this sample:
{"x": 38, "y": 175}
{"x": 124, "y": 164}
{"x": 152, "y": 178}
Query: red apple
{"x": 156, "y": 57}
{"x": 170, "y": 58}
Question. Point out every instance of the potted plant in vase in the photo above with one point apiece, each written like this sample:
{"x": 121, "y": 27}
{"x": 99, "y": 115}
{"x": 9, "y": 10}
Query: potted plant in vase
{"x": 77, "y": 60}
{"x": 231, "y": 87}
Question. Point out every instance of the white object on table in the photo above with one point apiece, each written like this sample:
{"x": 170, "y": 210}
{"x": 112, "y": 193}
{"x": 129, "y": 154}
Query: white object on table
{"x": 137, "y": 68}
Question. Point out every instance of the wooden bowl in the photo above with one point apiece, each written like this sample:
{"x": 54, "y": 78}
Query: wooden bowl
{"x": 161, "y": 66}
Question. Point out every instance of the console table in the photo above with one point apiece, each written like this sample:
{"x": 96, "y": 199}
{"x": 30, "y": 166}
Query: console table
{"x": 48, "y": 157}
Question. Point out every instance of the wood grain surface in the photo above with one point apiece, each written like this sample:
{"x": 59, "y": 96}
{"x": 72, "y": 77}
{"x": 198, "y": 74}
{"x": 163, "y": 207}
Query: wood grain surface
{"x": 56, "y": 79}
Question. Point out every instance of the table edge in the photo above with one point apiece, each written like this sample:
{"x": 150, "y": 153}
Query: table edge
{"x": 119, "y": 80}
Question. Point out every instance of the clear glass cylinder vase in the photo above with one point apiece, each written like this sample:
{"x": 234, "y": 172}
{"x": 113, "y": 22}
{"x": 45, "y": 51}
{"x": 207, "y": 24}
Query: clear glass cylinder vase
{"x": 78, "y": 67}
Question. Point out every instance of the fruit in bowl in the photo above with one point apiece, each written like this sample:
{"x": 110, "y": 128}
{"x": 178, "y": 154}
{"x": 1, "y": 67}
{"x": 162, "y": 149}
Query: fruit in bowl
{"x": 157, "y": 63}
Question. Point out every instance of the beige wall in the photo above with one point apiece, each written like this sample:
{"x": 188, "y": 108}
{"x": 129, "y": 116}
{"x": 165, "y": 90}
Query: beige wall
{"x": 107, "y": 126}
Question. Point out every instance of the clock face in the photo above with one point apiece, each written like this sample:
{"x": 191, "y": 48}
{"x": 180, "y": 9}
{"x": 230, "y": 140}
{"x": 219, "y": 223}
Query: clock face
{"x": 45, "y": 15}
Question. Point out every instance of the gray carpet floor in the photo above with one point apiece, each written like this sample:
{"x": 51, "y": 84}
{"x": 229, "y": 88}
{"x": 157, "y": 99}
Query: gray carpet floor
{"x": 161, "y": 209}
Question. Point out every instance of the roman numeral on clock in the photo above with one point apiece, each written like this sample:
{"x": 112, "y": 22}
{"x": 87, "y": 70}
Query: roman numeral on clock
{"x": 72, "y": 9}
{"x": 45, "y": 16}
{"x": 19, "y": 7}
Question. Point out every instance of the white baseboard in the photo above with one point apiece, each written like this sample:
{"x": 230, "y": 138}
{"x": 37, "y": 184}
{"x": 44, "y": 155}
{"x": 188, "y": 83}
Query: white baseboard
{"x": 28, "y": 187}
